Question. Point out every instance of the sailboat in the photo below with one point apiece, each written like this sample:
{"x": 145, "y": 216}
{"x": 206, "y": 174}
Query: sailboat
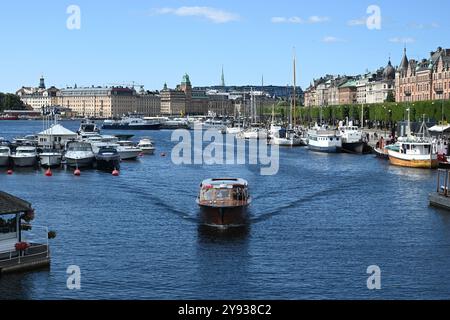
{"x": 286, "y": 137}
{"x": 415, "y": 151}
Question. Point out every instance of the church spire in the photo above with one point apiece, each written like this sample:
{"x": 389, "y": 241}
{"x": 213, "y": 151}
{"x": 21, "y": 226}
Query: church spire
{"x": 223, "y": 78}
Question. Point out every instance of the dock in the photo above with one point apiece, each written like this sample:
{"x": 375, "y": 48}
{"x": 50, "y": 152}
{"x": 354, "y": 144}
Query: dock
{"x": 22, "y": 247}
{"x": 441, "y": 198}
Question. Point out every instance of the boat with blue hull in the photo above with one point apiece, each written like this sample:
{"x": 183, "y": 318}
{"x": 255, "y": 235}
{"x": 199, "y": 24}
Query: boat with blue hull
{"x": 326, "y": 141}
{"x": 131, "y": 124}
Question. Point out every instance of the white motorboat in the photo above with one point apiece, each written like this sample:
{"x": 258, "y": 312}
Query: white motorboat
{"x": 50, "y": 158}
{"x": 79, "y": 154}
{"x": 253, "y": 133}
{"x": 25, "y": 156}
{"x": 323, "y": 140}
{"x": 146, "y": 146}
{"x": 128, "y": 151}
{"x": 233, "y": 130}
{"x": 88, "y": 127}
{"x": 5, "y": 154}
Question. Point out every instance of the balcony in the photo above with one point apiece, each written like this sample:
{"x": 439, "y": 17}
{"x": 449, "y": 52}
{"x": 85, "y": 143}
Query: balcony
{"x": 439, "y": 88}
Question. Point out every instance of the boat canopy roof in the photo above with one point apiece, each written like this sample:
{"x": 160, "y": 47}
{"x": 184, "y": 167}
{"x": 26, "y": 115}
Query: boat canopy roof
{"x": 57, "y": 130}
{"x": 10, "y": 204}
{"x": 440, "y": 128}
{"x": 225, "y": 182}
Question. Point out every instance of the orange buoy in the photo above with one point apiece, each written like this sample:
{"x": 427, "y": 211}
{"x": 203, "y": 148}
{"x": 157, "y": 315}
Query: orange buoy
{"x": 115, "y": 173}
{"x": 48, "y": 173}
{"x": 10, "y": 172}
{"x": 77, "y": 172}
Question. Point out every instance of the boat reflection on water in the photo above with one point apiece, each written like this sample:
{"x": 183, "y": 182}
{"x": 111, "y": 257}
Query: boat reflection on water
{"x": 212, "y": 234}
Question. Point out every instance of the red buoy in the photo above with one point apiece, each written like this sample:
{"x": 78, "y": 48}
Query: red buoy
{"x": 48, "y": 173}
{"x": 10, "y": 172}
{"x": 115, "y": 173}
{"x": 77, "y": 172}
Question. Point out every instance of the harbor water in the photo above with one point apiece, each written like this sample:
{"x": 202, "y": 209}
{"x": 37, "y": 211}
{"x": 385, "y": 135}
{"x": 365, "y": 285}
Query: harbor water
{"x": 315, "y": 228}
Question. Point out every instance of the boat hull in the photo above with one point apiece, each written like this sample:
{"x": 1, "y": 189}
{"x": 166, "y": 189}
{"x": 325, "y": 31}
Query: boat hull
{"x": 24, "y": 161}
{"x": 413, "y": 163}
{"x": 330, "y": 149}
{"x": 224, "y": 216}
{"x": 50, "y": 160}
{"x": 4, "y": 161}
{"x": 148, "y": 150}
{"x": 108, "y": 163}
{"x": 354, "y": 147}
{"x": 132, "y": 127}
{"x": 129, "y": 154}
{"x": 80, "y": 163}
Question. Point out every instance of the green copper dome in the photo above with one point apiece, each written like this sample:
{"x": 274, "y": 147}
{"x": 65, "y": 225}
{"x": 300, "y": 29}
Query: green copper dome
{"x": 186, "y": 79}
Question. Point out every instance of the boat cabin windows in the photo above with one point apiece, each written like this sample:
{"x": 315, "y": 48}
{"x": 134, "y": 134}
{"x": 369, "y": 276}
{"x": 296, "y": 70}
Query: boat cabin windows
{"x": 8, "y": 227}
{"x": 223, "y": 194}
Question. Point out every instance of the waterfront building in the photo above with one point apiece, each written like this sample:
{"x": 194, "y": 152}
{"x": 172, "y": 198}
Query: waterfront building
{"x": 428, "y": 79}
{"x": 380, "y": 84}
{"x": 186, "y": 100}
{"x": 38, "y": 97}
{"x": 108, "y": 102}
{"x": 348, "y": 93}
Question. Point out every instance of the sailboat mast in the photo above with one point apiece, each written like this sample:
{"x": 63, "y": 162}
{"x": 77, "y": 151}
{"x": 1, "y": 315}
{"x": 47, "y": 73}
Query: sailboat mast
{"x": 295, "y": 85}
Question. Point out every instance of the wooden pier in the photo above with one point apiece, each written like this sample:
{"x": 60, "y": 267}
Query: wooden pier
{"x": 441, "y": 198}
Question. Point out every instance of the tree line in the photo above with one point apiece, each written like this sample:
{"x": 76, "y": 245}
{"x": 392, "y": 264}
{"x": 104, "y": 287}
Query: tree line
{"x": 434, "y": 111}
{"x": 9, "y": 101}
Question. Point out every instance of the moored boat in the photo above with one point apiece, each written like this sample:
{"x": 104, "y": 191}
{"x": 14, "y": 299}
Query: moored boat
{"x": 108, "y": 159}
{"x": 327, "y": 141}
{"x": 50, "y": 158}
{"x": 5, "y": 154}
{"x": 414, "y": 153}
{"x": 79, "y": 154}
{"x": 352, "y": 140}
{"x": 25, "y": 156}
{"x": 224, "y": 202}
{"x": 146, "y": 145}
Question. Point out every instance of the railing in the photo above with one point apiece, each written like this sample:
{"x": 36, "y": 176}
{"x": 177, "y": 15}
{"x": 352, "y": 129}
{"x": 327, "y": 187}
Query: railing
{"x": 37, "y": 237}
{"x": 443, "y": 189}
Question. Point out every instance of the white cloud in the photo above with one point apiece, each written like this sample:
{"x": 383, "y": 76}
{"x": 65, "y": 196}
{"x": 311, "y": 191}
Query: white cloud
{"x": 330, "y": 39}
{"x": 402, "y": 40}
{"x": 357, "y": 22}
{"x": 213, "y": 14}
{"x": 421, "y": 26}
{"x": 298, "y": 20}
{"x": 317, "y": 19}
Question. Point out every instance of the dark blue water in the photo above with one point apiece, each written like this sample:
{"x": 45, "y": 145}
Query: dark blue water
{"x": 316, "y": 227}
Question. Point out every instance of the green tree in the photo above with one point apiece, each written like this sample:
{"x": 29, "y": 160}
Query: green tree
{"x": 10, "y": 101}
{"x": 390, "y": 97}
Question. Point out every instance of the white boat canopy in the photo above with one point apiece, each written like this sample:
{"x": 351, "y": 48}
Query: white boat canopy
{"x": 440, "y": 129}
{"x": 57, "y": 130}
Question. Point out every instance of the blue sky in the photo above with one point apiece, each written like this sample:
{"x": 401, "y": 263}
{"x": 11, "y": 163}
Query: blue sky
{"x": 152, "y": 42}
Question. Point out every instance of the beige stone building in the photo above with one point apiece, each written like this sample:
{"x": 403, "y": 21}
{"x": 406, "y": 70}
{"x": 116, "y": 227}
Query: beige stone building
{"x": 184, "y": 100}
{"x": 108, "y": 102}
{"x": 38, "y": 97}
